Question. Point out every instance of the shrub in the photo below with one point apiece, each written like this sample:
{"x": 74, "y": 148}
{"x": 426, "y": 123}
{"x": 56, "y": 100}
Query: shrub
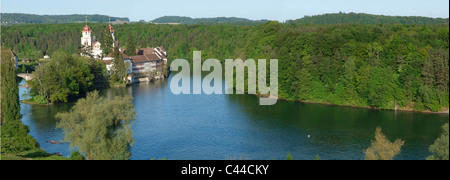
{"x": 40, "y": 99}
{"x": 76, "y": 156}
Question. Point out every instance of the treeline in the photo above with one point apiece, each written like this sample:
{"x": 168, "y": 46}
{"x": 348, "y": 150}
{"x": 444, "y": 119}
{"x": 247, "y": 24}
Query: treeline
{"x": 384, "y": 65}
{"x": 20, "y": 18}
{"x": 216, "y": 20}
{"x": 361, "y": 18}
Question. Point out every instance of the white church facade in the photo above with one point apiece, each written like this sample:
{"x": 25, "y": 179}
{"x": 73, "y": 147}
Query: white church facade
{"x": 146, "y": 59}
{"x": 90, "y": 42}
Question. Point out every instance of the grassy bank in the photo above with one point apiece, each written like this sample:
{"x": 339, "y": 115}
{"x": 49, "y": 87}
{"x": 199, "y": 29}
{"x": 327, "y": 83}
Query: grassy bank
{"x": 34, "y": 154}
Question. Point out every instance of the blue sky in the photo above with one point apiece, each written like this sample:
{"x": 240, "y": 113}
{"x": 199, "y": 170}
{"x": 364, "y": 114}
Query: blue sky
{"x": 280, "y": 10}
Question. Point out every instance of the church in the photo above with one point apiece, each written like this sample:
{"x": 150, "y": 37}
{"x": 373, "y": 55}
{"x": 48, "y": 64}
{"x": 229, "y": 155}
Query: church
{"x": 145, "y": 61}
{"x": 90, "y": 42}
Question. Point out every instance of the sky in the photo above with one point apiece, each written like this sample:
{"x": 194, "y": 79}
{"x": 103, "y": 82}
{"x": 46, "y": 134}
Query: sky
{"x": 280, "y": 10}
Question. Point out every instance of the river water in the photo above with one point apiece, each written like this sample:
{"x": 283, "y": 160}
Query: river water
{"x": 220, "y": 127}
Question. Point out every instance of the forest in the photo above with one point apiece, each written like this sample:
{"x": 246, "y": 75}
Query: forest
{"x": 20, "y": 18}
{"x": 363, "y": 18}
{"x": 387, "y": 66}
{"x": 217, "y": 20}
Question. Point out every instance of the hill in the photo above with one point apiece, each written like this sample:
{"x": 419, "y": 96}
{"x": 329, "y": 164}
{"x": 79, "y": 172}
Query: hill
{"x": 216, "y": 20}
{"x": 19, "y": 18}
{"x": 361, "y": 18}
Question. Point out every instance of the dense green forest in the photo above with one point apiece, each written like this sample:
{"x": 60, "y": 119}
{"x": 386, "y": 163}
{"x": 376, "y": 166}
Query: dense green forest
{"x": 217, "y": 20}
{"x": 361, "y": 18}
{"x": 19, "y": 18}
{"x": 382, "y": 65}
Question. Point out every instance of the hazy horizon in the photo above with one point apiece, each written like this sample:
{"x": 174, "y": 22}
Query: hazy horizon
{"x": 219, "y": 16}
{"x": 280, "y": 10}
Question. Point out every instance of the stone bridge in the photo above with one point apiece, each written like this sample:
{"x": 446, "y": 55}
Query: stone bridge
{"x": 25, "y": 76}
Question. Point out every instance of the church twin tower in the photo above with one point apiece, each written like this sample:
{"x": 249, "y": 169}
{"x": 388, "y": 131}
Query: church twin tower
{"x": 87, "y": 41}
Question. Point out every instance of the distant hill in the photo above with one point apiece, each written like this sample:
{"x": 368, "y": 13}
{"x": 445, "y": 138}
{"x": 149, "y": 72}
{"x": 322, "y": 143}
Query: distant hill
{"x": 361, "y": 18}
{"x": 217, "y": 20}
{"x": 19, "y": 18}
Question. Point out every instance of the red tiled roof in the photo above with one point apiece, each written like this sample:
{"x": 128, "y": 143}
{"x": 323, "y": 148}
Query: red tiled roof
{"x": 87, "y": 28}
{"x": 107, "y": 62}
{"x": 144, "y": 58}
{"x": 143, "y": 55}
{"x": 111, "y": 28}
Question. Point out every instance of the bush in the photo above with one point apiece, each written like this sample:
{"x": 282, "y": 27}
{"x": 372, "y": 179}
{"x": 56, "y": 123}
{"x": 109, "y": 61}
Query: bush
{"x": 15, "y": 137}
{"x": 76, "y": 156}
{"x": 40, "y": 99}
{"x": 440, "y": 148}
{"x": 289, "y": 157}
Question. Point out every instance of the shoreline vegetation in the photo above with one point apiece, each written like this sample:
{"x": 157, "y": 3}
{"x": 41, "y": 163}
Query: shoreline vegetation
{"x": 382, "y": 66}
{"x": 386, "y": 66}
{"x": 444, "y": 111}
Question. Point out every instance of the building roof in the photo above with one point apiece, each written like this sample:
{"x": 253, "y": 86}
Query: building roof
{"x": 111, "y": 29}
{"x": 161, "y": 49}
{"x": 86, "y": 28}
{"x": 144, "y": 58}
{"x": 142, "y": 55}
{"x": 122, "y": 52}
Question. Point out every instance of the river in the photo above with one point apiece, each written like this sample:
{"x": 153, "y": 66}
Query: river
{"x": 220, "y": 127}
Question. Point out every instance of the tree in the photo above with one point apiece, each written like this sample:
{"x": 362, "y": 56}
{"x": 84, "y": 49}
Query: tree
{"x": 75, "y": 155}
{"x": 10, "y": 108}
{"x": 64, "y": 77}
{"x": 302, "y": 87}
{"x": 86, "y": 51}
{"x": 118, "y": 68}
{"x": 100, "y": 128}
{"x": 14, "y": 134}
{"x": 382, "y": 148}
{"x": 108, "y": 41}
{"x": 131, "y": 47}
{"x": 440, "y": 147}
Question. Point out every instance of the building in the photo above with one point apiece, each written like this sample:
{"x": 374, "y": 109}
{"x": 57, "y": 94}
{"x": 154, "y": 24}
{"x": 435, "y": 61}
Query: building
{"x": 146, "y": 60}
{"x": 87, "y": 41}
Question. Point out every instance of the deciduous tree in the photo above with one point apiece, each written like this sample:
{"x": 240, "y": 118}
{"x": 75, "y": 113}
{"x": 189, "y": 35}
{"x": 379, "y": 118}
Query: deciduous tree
{"x": 100, "y": 128}
{"x": 382, "y": 148}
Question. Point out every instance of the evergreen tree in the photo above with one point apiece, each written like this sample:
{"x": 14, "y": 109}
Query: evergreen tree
{"x": 131, "y": 47}
{"x": 118, "y": 68}
{"x": 107, "y": 42}
{"x": 10, "y": 108}
{"x": 14, "y": 134}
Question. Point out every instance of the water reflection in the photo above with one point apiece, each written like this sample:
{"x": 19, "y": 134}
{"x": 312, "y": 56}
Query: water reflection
{"x": 226, "y": 126}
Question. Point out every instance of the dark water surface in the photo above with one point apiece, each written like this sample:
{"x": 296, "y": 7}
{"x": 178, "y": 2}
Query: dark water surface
{"x": 210, "y": 127}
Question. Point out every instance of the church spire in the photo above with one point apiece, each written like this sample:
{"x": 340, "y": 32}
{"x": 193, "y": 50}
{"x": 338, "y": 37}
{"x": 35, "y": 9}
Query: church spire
{"x": 86, "y": 20}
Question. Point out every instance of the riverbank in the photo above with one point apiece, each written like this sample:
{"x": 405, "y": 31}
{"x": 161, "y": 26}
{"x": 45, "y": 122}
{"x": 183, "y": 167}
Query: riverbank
{"x": 31, "y": 102}
{"x": 34, "y": 154}
{"x": 444, "y": 110}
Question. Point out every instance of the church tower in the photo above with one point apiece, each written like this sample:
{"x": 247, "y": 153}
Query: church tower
{"x": 111, "y": 30}
{"x": 86, "y": 39}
